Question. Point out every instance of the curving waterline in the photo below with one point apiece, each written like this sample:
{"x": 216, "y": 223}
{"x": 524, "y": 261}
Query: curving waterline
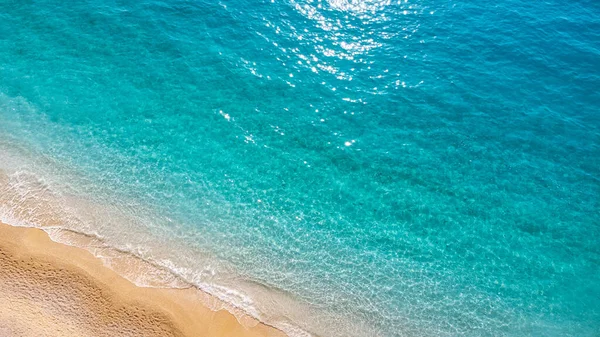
{"x": 29, "y": 198}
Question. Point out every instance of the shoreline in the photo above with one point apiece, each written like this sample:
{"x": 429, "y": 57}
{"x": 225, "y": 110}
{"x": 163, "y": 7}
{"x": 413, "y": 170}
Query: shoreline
{"x": 67, "y": 291}
{"x": 33, "y": 196}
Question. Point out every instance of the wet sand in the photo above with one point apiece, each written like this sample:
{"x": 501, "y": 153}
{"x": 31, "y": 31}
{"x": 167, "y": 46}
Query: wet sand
{"x": 52, "y": 289}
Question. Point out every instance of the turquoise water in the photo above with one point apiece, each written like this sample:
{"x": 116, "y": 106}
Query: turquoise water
{"x": 337, "y": 168}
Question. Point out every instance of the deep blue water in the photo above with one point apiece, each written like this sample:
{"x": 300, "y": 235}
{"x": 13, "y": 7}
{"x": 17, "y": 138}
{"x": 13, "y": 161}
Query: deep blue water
{"x": 373, "y": 168}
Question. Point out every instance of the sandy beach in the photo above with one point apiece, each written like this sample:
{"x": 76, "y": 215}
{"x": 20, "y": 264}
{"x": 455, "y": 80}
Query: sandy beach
{"x": 51, "y": 289}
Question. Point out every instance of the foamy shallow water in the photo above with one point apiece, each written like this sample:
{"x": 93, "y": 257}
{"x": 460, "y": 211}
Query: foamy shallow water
{"x": 340, "y": 168}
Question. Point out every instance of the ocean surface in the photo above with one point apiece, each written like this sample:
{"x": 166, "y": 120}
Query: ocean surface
{"x": 334, "y": 168}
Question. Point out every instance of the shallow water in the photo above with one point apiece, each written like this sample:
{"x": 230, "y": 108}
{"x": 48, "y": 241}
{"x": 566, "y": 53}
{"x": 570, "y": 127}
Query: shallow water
{"x": 342, "y": 168}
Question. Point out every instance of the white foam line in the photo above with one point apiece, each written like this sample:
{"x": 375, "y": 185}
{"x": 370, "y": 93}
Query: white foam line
{"x": 233, "y": 301}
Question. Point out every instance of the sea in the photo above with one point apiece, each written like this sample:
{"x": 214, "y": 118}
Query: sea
{"x": 332, "y": 168}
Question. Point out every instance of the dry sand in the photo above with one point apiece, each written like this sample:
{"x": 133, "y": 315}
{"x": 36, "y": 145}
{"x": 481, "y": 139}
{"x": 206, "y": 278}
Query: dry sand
{"x": 51, "y": 289}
